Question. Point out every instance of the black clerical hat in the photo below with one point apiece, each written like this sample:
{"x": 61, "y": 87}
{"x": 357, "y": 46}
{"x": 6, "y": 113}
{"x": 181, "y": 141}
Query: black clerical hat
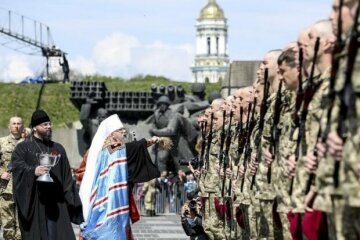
{"x": 39, "y": 117}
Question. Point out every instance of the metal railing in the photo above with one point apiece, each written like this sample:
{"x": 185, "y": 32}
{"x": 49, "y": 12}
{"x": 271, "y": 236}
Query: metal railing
{"x": 169, "y": 197}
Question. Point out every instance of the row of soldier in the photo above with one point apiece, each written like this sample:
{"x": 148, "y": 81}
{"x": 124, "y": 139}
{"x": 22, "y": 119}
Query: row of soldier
{"x": 280, "y": 159}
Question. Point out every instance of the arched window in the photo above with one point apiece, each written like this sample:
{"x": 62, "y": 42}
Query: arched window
{"x": 208, "y": 46}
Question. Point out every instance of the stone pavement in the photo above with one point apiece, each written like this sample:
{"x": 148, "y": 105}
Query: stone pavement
{"x": 161, "y": 227}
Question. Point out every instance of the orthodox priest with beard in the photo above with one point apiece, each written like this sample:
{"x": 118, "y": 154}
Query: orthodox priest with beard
{"x": 46, "y": 209}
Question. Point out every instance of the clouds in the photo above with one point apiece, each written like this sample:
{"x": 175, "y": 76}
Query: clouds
{"x": 14, "y": 68}
{"x": 126, "y": 38}
{"x": 117, "y": 54}
{"x": 124, "y": 55}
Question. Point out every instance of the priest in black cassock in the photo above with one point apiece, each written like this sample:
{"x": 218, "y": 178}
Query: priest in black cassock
{"x": 46, "y": 209}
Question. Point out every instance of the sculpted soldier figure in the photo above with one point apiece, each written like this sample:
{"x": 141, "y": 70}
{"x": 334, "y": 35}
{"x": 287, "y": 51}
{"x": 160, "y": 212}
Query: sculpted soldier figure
{"x": 90, "y": 121}
{"x": 167, "y": 123}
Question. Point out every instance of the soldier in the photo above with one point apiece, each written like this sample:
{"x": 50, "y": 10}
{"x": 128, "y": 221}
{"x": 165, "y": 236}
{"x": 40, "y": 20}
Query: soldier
{"x": 8, "y": 210}
{"x": 289, "y": 73}
{"x": 167, "y": 124}
{"x": 88, "y": 120}
{"x": 211, "y": 182}
{"x": 264, "y": 190}
{"x": 344, "y": 198}
{"x": 318, "y": 86}
{"x": 149, "y": 191}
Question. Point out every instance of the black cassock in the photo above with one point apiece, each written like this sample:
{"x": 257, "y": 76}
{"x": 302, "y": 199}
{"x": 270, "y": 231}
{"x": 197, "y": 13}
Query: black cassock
{"x": 46, "y": 210}
{"x": 140, "y": 167}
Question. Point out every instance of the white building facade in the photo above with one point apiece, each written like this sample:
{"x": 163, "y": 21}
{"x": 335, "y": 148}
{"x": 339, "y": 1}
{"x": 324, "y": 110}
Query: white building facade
{"x": 211, "y": 58}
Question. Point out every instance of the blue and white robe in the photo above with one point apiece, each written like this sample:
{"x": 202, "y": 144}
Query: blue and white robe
{"x": 109, "y": 201}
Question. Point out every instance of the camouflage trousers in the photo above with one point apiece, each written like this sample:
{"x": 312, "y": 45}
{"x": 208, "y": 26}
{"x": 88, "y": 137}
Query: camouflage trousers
{"x": 250, "y": 224}
{"x": 335, "y": 218}
{"x": 351, "y": 223}
{"x": 9, "y": 219}
{"x": 282, "y": 209}
{"x": 264, "y": 220}
{"x": 212, "y": 225}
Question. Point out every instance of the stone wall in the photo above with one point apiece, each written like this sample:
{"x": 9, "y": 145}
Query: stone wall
{"x": 240, "y": 74}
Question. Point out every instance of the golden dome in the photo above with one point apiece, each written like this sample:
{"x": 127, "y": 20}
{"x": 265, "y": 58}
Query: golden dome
{"x": 212, "y": 11}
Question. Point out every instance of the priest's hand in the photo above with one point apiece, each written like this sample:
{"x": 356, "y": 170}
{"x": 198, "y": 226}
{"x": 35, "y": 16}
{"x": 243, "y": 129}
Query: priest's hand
{"x": 152, "y": 141}
{"x": 41, "y": 170}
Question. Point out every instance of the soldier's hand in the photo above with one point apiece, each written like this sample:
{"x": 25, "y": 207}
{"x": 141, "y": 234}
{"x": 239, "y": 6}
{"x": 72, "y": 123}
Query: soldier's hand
{"x": 221, "y": 173}
{"x": 311, "y": 163}
{"x": 320, "y": 149}
{"x": 268, "y": 157}
{"x": 291, "y": 166}
{"x": 309, "y": 200}
{"x": 6, "y": 176}
{"x": 241, "y": 171}
{"x": 335, "y": 145}
{"x": 228, "y": 173}
{"x": 41, "y": 170}
{"x": 253, "y": 167}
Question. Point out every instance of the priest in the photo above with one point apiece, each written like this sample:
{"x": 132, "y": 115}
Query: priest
{"x": 45, "y": 209}
{"x": 112, "y": 167}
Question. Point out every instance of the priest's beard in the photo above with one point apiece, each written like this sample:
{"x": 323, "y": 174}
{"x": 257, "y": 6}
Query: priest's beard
{"x": 46, "y": 136}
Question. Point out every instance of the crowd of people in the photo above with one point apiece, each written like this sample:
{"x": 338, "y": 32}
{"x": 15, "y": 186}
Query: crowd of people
{"x": 280, "y": 159}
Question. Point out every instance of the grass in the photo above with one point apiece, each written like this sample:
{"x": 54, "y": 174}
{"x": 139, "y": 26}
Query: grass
{"x": 21, "y": 99}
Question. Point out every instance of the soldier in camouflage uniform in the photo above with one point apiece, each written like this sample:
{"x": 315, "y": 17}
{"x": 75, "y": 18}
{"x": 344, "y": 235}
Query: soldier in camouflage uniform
{"x": 209, "y": 181}
{"x": 289, "y": 75}
{"x": 345, "y": 198}
{"x": 238, "y": 207}
{"x": 8, "y": 210}
{"x": 264, "y": 191}
{"x": 300, "y": 199}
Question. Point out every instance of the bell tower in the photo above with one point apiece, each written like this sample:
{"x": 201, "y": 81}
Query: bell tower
{"x": 211, "y": 58}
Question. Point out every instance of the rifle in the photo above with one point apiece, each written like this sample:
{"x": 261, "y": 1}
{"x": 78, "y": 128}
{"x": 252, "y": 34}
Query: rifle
{"x": 247, "y": 145}
{"x": 222, "y": 140}
{"x": 209, "y": 140}
{"x": 347, "y": 95}
{"x": 225, "y": 163}
{"x": 203, "y": 145}
{"x": 263, "y": 110}
{"x": 299, "y": 94}
{"x": 308, "y": 95}
{"x": 275, "y": 132}
{"x": 226, "y": 154}
{"x": 242, "y": 146}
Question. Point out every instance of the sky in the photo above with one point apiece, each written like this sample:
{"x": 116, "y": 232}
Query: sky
{"x": 125, "y": 38}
